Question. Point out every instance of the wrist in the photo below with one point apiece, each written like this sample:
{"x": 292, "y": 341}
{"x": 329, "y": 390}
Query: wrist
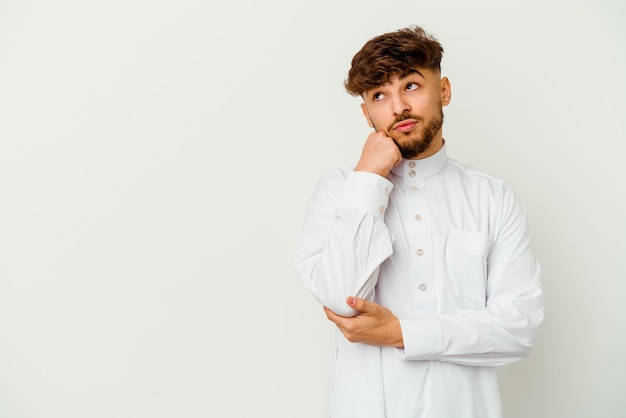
{"x": 380, "y": 172}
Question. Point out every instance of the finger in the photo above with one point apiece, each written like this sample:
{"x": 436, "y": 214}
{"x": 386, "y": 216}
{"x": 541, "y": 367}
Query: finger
{"x": 361, "y": 305}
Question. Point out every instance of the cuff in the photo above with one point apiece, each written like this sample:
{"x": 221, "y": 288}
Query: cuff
{"x": 423, "y": 339}
{"x": 366, "y": 191}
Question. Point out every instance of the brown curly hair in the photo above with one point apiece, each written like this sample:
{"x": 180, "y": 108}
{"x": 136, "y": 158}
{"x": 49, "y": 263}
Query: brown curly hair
{"x": 394, "y": 54}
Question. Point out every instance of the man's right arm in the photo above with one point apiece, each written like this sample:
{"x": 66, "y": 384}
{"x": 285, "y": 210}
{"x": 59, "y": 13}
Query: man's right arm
{"x": 344, "y": 238}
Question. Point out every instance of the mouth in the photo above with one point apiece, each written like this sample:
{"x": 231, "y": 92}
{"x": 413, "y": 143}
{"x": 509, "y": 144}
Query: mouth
{"x": 405, "y": 125}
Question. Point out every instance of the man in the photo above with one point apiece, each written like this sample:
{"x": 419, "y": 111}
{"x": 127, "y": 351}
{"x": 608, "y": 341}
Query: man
{"x": 423, "y": 263}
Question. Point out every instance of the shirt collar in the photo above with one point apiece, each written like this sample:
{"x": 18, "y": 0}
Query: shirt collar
{"x": 424, "y": 167}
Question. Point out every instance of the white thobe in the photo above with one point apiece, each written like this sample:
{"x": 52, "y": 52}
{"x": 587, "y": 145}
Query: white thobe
{"x": 446, "y": 248}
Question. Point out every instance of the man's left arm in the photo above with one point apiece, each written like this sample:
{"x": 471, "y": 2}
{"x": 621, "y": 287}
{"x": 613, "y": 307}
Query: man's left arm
{"x": 500, "y": 333}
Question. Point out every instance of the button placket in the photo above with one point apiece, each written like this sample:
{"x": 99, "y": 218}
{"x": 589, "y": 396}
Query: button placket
{"x": 419, "y": 237}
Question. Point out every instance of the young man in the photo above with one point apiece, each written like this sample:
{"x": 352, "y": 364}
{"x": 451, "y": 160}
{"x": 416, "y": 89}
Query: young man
{"x": 424, "y": 264}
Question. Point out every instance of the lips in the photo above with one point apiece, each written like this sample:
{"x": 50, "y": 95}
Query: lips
{"x": 405, "y": 125}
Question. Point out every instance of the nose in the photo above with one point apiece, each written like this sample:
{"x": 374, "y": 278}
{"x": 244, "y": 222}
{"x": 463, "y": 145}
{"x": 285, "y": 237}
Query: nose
{"x": 399, "y": 105}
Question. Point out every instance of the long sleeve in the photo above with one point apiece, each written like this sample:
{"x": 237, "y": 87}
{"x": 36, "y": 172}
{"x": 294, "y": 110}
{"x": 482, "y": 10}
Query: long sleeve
{"x": 503, "y": 330}
{"x": 447, "y": 250}
{"x": 344, "y": 238}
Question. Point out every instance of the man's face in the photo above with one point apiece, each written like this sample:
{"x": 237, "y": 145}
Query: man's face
{"x": 409, "y": 110}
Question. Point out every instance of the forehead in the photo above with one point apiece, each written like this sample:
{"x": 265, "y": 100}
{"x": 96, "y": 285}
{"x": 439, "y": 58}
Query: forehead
{"x": 423, "y": 73}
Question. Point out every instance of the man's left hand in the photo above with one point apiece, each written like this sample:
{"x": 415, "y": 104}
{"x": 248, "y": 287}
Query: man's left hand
{"x": 373, "y": 325}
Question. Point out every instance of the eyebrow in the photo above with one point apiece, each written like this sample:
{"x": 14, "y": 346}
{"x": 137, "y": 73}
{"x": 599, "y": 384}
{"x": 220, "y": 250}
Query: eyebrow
{"x": 412, "y": 72}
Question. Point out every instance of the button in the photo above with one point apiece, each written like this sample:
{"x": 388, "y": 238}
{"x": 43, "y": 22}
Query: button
{"x": 418, "y": 217}
{"x": 414, "y": 188}
{"x": 420, "y": 252}
{"x": 386, "y": 190}
{"x": 412, "y": 173}
{"x": 412, "y": 164}
{"x": 422, "y": 287}
{"x": 381, "y": 209}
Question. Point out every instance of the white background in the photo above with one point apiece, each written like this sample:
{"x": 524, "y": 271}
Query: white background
{"x": 156, "y": 159}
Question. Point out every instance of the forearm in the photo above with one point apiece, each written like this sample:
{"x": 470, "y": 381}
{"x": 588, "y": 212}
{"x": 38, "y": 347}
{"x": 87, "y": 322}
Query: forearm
{"x": 503, "y": 332}
{"x": 344, "y": 240}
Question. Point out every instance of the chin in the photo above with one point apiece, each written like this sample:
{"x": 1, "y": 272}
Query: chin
{"x": 412, "y": 149}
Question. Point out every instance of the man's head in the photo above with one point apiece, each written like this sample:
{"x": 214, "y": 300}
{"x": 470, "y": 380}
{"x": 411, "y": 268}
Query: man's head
{"x": 394, "y": 54}
{"x": 398, "y": 76}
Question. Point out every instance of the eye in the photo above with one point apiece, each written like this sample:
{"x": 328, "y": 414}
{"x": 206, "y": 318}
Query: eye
{"x": 411, "y": 86}
{"x": 377, "y": 96}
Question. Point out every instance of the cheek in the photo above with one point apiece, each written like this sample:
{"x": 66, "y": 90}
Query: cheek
{"x": 378, "y": 122}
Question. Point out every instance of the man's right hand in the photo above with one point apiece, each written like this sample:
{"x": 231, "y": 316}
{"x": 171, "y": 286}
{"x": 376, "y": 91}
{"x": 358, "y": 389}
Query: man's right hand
{"x": 380, "y": 154}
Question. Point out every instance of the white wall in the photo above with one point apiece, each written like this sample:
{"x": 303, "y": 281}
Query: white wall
{"x": 156, "y": 158}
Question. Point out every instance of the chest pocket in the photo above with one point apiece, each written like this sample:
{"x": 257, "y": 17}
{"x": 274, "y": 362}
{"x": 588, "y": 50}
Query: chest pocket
{"x": 466, "y": 266}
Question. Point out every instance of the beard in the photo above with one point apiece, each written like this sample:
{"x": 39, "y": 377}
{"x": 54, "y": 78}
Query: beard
{"x": 416, "y": 142}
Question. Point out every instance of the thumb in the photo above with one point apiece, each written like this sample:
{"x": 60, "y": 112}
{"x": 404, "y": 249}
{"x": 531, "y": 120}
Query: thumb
{"x": 359, "y": 304}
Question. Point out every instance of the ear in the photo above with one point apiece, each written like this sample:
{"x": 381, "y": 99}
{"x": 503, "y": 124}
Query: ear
{"x": 446, "y": 91}
{"x": 367, "y": 115}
